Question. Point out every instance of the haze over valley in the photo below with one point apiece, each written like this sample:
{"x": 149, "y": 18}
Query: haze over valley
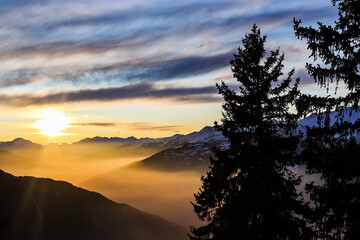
{"x": 158, "y": 176}
{"x": 155, "y": 175}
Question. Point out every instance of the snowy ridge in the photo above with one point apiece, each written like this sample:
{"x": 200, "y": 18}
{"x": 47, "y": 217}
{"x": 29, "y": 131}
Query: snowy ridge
{"x": 207, "y": 134}
{"x": 349, "y": 116}
{"x": 194, "y": 150}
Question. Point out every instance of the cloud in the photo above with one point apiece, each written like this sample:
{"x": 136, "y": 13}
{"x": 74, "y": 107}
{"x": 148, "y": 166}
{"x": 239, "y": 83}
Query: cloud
{"x": 137, "y": 126}
{"x": 174, "y": 68}
{"x": 129, "y": 15}
{"x": 168, "y": 17}
{"x": 156, "y": 68}
{"x": 112, "y": 42}
{"x": 141, "y": 126}
{"x": 94, "y": 124}
{"x": 142, "y": 90}
{"x": 305, "y": 78}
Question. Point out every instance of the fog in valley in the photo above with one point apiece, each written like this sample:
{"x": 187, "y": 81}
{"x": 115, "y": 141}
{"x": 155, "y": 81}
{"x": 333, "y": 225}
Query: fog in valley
{"x": 160, "y": 193}
{"x": 113, "y": 171}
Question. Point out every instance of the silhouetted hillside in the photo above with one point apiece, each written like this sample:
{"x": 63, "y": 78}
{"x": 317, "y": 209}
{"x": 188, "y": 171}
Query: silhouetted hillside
{"x": 34, "y": 208}
{"x": 188, "y": 157}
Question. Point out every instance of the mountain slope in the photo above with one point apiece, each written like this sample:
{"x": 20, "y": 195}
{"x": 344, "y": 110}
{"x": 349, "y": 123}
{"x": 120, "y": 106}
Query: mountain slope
{"x": 19, "y": 144}
{"x": 177, "y": 153}
{"x": 34, "y": 208}
{"x": 187, "y": 157}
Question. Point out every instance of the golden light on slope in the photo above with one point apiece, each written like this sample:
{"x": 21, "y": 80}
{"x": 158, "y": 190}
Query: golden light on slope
{"x": 52, "y": 122}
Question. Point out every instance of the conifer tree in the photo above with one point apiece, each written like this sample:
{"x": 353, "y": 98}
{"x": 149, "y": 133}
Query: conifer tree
{"x": 331, "y": 149}
{"x": 338, "y": 47}
{"x": 249, "y": 191}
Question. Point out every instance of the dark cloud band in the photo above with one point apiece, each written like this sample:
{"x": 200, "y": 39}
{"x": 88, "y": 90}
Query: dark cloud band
{"x": 142, "y": 90}
{"x": 155, "y": 69}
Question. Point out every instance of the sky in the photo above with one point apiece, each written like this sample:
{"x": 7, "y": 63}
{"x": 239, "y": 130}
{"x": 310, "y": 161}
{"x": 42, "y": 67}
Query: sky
{"x": 143, "y": 68}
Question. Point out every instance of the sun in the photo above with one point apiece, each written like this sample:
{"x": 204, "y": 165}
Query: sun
{"x": 52, "y": 122}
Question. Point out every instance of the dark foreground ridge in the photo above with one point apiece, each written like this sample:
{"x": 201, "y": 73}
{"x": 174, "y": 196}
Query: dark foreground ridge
{"x": 38, "y": 208}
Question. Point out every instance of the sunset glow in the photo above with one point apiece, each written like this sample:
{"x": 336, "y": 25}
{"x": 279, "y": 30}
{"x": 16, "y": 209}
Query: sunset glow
{"x": 132, "y": 68}
{"x": 158, "y": 120}
{"x": 52, "y": 122}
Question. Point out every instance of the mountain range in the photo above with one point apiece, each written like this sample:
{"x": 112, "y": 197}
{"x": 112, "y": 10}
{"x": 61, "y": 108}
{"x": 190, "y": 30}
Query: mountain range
{"x": 176, "y": 153}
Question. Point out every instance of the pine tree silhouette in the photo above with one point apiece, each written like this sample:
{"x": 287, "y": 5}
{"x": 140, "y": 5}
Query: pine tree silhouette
{"x": 330, "y": 149}
{"x": 249, "y": 191}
